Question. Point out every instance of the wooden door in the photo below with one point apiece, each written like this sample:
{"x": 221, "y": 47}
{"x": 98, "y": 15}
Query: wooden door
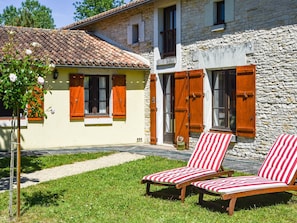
{"x": 153, "y": 110}
{"x": 181, "y": 106}
{"x": 196, "y": 100}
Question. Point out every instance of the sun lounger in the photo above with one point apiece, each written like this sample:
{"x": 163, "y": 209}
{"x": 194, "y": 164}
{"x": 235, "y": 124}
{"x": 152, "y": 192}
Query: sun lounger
{"x": 278, "y": 173}
{"x": 204, "y": 163}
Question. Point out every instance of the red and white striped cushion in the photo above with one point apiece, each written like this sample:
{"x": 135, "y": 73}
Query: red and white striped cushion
{"x": 237, "y": 184}
{"x": 277, "y": 170}
{"x": 210, "y": 151}
{"x": 205, "y": 160}
{"x": 281, "y": 162}
{"x": 178, "y": 175}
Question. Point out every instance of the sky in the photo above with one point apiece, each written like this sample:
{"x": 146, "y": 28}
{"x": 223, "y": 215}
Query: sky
{"x": 62, "y": 10}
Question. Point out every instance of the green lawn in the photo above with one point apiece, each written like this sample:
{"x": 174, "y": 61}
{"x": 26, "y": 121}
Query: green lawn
{"x": 115, "y": 194}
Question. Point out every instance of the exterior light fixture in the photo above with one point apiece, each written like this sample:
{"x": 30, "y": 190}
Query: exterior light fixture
{"x": 55, "y": 74}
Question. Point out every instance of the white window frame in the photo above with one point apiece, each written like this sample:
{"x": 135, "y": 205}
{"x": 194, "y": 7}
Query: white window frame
{"x": 5, "y": 121}
{"x": 101, "y": 119}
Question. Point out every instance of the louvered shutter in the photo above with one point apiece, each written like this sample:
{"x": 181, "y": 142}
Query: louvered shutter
{"x": 181, "y": 106}
{"x": 246, "y": 101}
{"x": 76, "y": 91}
{"x": 196, "y": 100}
{"x": 32, "y": 112}
{"x": 153, "y": 109}
{"x": 119, "y": 96}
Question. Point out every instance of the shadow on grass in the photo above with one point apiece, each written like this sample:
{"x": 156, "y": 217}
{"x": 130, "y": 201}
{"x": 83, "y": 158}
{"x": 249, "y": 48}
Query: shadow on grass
{"x": 29, "y": 164}
{"x": 42, "y": 198}
{"x": 248, "y": 203}
{"x": 171, "y": 193}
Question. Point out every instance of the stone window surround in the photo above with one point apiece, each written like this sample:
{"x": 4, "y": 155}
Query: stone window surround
{"x": 210, "y": 16}
{"x": 135, "y": 20}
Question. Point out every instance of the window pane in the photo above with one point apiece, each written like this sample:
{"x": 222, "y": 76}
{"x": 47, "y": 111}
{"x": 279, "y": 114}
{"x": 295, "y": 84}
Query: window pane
{"x": 102, "y": 108}
{"x": 216, "y": 101}
{"x": 232, "y": 96}
{"x": 102, "y": 95}
{"x": 102, "y": 82}
{"x": 86, "y": 82}
{"x": 135, "y": 33}
{"x": 219, "y": 118}
{"x": 219, "y": 80}
{"x": 87, "y": 107}
{"x": 86, "y": 94}
{"x": 215, "y": 117}
{"x": 220, "y": 8}
{"x": 224, "y": 107}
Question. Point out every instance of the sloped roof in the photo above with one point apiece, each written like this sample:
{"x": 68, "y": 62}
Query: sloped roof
{"x": 71, "y": 48}
{"x": 105, "y": 14}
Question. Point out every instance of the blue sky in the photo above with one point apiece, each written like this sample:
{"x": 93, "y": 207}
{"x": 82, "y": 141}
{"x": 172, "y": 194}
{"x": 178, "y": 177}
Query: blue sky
{"x": 62, "y": 10}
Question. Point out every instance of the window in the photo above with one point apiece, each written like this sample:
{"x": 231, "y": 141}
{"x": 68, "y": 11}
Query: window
{"x": 224, "y": 109}
{"x": 169, "y": 32}
{"x": 90, "y": 95}
{"x": 5, "y": 112}
{"x": 135, "y": 33}
{"x": 135, "y": 30}
{"x": 96, "y": 89}
{"x": 219, "y": 12}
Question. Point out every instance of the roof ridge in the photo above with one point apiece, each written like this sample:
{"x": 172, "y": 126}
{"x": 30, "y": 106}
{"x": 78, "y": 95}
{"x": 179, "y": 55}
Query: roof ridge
{"x": 110, "y": 12}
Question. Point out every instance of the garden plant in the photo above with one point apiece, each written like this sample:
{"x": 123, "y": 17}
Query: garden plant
{"x": 22, "y": 89}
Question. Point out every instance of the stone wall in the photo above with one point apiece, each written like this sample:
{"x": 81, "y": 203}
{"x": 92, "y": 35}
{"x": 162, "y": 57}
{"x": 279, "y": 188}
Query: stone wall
{"x": 270, "y": 28}
{"x": 267, "y": 26}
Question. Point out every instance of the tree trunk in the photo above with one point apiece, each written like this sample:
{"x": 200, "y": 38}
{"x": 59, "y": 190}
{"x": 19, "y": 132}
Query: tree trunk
{"x": 19, "y": 165}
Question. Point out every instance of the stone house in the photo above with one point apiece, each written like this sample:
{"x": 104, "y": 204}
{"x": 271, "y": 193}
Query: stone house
{"x": 96, "y": 92}
{"x": 215, "y": 65}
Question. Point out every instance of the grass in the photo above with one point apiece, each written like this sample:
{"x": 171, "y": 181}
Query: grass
{"x": 34, "y": 163}
{"x": 115, "y": 194}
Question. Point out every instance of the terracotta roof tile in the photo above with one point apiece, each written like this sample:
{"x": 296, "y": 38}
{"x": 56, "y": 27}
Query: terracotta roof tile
{"x": 102, "y": 15}
{"x": 72, "y": 48}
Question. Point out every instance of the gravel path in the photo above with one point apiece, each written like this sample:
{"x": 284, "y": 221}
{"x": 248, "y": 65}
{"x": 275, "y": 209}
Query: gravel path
{"x": 73, "y": 169}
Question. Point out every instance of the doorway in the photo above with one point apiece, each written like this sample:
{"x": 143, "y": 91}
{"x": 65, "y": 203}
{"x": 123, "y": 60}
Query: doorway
{"x": 168, "y": 108}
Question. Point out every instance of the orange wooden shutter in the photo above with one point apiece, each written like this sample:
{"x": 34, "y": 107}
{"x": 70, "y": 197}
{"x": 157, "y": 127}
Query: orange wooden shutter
{"x": 119, "y": 96}
{"x": 196, "y": 100}
{"x": 153, "y": 109}
{"x": 76, "y": 91}
{"x": 246, "y": 101}
{"x": 32, "y": 114}
{"x": 181, "y": 106}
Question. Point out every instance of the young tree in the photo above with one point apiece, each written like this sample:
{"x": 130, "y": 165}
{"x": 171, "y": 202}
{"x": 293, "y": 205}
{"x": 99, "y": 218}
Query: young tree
{"x": 30, "y": 14}
{"x": 22, "y": 88}
{"x": 88, "y": 8}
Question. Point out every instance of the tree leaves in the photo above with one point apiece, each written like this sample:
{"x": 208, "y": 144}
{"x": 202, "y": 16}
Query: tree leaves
{"x": 21, "y": 79}
{"x": 31, "y": 14}
{"x": 88, "y": 8}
